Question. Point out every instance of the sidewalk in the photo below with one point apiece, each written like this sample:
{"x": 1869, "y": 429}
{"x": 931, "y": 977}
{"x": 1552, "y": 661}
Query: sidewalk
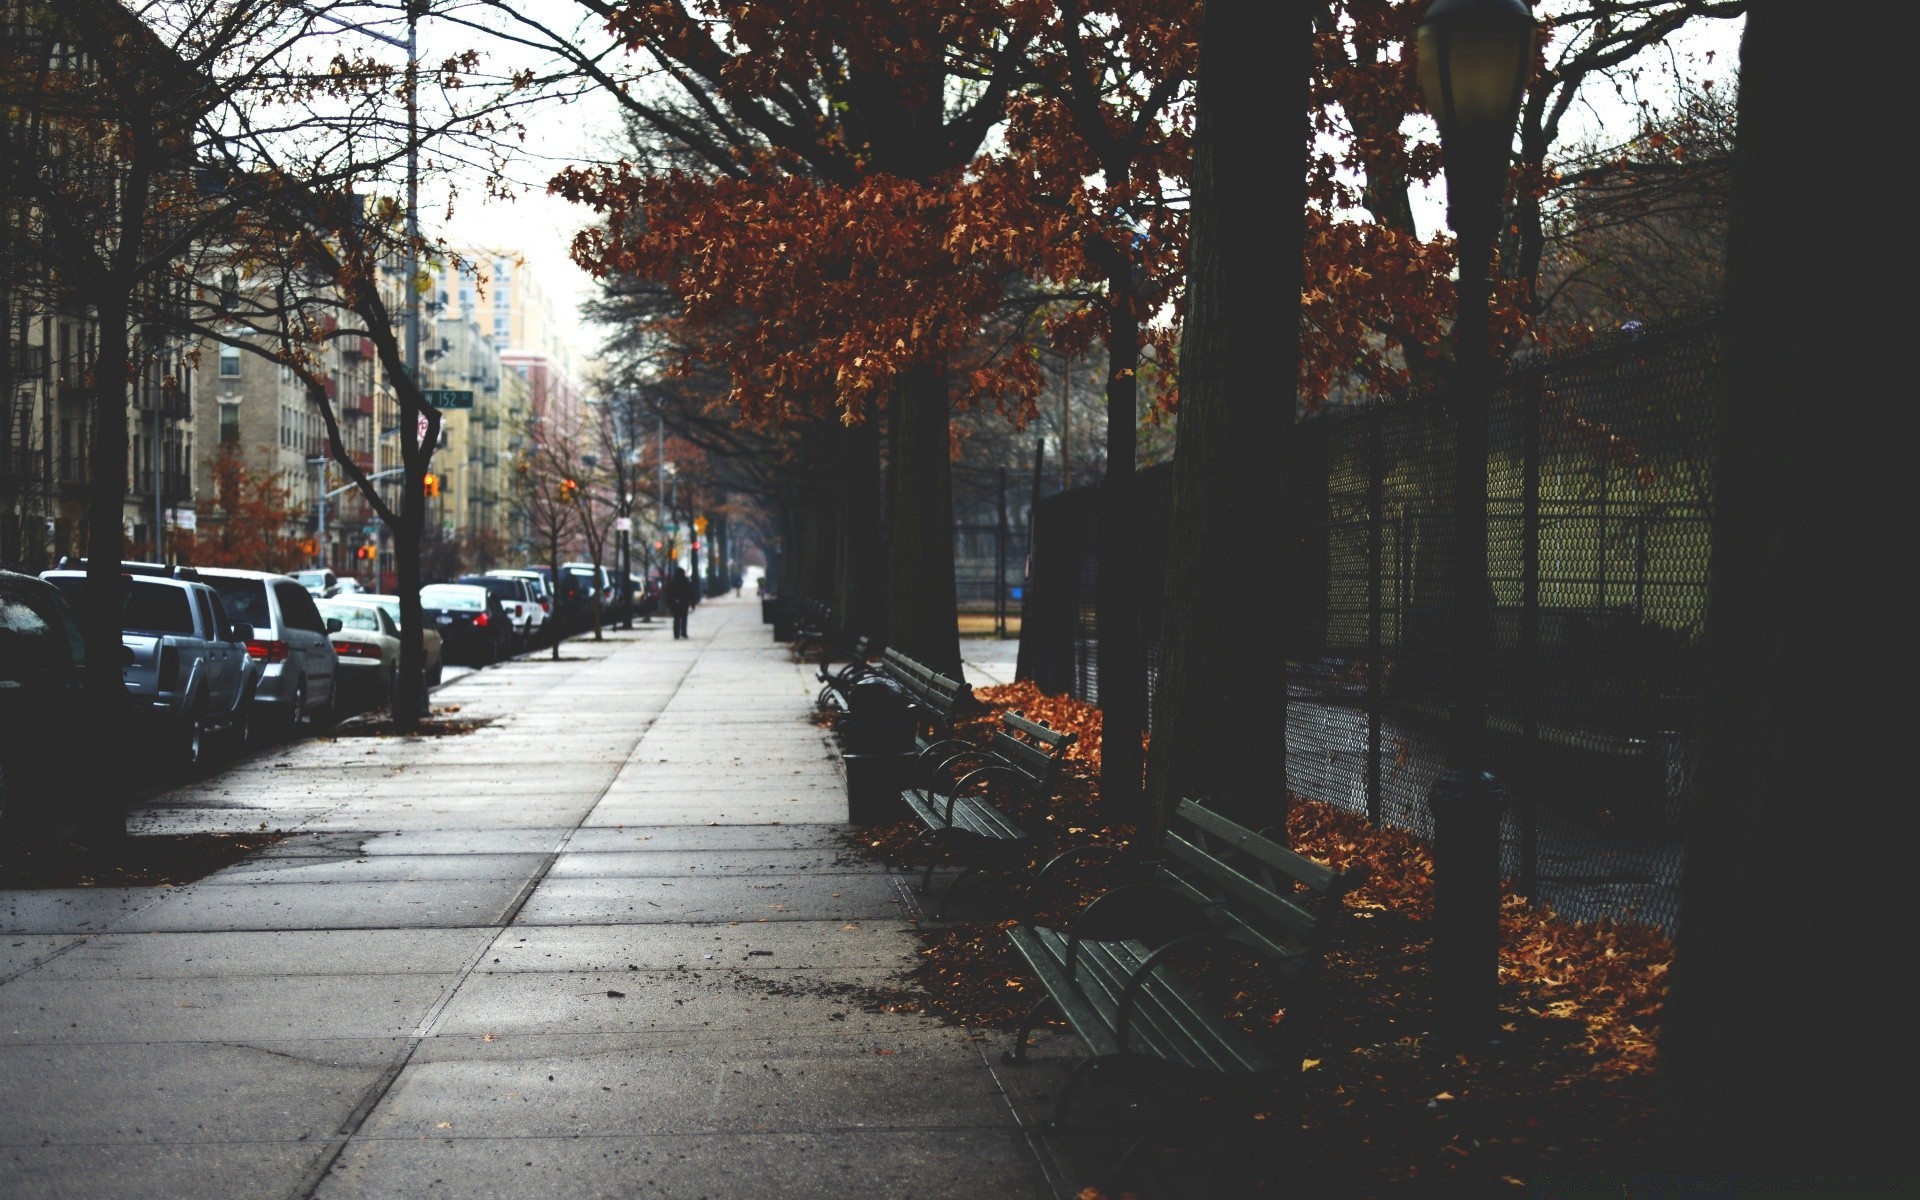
{"x": 588, "y": 950}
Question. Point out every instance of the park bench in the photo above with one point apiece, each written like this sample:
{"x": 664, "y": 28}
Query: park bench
{"x": 1218, "y": 889}
{"x": 893, "y": 712}
{"x": 791, "y": 617}
{"x": 970, "y": 790}
{"x": 836, "y": 685}
{"x": 933, "y": 698}
{"x": 813, "y": 630}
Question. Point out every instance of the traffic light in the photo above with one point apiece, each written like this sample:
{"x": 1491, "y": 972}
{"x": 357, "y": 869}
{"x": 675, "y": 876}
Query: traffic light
{"x": 363, "y": 551}
{"x": 430, "y": 485}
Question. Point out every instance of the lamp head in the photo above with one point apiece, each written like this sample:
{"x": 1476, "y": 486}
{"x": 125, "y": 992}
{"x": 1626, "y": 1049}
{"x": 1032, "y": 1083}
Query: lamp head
{"x": 1474, "y": 59}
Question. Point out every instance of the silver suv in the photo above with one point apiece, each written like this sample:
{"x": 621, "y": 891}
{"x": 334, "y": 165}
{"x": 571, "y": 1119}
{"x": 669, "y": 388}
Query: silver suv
{"x": 186, "y": 666}
{"x": 290, "y": 643}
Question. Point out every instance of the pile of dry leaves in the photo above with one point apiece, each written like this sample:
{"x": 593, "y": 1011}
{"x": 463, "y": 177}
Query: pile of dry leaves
{"x": 1570, "y": 1089}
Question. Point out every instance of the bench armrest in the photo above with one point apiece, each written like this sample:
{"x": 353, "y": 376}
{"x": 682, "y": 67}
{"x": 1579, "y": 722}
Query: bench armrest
{"x": 989, "y": 773}
{"x": 1130, "y": 994}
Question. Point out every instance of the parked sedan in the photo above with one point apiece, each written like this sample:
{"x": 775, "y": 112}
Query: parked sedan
{"x": 42, "y": 669}
{"x": 472, "y": 623}
{"x": 368, "y": 644}
{"x": 430, "y": 644}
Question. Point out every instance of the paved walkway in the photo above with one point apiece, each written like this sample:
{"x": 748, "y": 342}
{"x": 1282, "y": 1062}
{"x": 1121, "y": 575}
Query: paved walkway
{"x": 588, "y": 950}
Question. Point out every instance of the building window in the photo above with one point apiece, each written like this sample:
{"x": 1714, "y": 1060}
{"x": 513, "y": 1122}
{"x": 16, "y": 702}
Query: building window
{"x": 229, "y": 422}
{"x": 229, "y": 362}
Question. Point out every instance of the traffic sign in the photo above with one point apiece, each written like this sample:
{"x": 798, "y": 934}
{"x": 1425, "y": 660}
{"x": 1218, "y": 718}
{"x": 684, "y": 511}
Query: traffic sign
{"x": 447, "y": 397}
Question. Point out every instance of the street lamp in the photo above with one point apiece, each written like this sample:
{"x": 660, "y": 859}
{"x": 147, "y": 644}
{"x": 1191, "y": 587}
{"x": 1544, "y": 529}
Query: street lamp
{"x": 1474, "y": 59}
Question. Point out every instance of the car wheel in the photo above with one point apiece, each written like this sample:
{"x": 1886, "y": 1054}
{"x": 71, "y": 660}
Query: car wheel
{"x": 192, "y": 747}
{"x": 296, "y": 709}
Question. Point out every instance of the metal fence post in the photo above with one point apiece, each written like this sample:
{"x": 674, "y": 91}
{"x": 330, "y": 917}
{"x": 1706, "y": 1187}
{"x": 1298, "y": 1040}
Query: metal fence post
{"x": 1000, "y": 563}
{"x": 1529, "y": 630}
{"x": 1376, "y": 492}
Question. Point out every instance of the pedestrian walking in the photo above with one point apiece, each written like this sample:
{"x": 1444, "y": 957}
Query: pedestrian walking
{"x": 679, "y": 593}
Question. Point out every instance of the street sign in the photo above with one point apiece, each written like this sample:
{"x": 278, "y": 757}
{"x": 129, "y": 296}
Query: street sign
{"x": 447, "y": 397}
{"x": 623, "y": 524}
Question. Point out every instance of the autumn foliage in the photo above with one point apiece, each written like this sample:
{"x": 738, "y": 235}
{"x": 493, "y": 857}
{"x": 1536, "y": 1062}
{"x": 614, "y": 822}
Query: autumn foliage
{"x": 250, "y": 522}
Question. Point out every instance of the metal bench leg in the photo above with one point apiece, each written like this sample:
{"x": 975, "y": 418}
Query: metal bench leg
{"x": 1085, "y": 1067}
{"x": 1120, "y": 1165}
{"x": 940, "y": 914}
{"x": 1032, "y": 1020}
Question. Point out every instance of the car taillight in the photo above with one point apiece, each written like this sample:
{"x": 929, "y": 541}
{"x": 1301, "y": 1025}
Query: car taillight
{"x": 267, "y": 651}
{"x": 546, "y": 606}
{"x": 169, "y": 668}
{"x": 356, "y": 650}
{"x": 480, "y": 621}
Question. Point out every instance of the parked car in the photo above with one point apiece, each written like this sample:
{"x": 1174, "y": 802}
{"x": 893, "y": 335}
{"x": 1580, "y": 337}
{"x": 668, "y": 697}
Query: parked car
{"x": 573, "y": 598}
{"x": 349, "y": 586}
{"x": 542, "y": 595}
{"x": 368, "y": 644}
{"x": 42, "y": 690}
{"x": 290, "y": 643}
{"x": 517, "y": 599}
{"x": 600, "y": 579}
{"x": 321, "y": 583}
{"x": 187, "y": 670}
{"x": 430, "y": 644}
{"x": 472, "y": 623}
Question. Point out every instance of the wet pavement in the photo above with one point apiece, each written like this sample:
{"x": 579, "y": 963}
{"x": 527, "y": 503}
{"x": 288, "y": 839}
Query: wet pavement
{"x": 600, "y": 946}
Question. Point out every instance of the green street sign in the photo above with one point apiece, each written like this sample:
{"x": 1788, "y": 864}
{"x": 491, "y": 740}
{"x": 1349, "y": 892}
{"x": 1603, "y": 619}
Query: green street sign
{"x": 447, "y": 398}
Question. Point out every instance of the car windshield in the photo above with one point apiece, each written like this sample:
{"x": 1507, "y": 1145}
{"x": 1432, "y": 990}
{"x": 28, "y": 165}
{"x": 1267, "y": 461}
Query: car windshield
{"x": 244, "y": 600}
{"x": 456, "y": 597}
{"x": 156, "y": 608}
{"x": 389, "y": 605}
{"x": 311, "y": 578}
{"x": 353, "y": 616}
{"x": 35, "y": 630}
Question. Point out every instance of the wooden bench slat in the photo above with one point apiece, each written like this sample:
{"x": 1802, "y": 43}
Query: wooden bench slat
{"x": 1169, "y": 1020}
{"x": 1315, "y": 875}
{"x": 1297, "y": 921}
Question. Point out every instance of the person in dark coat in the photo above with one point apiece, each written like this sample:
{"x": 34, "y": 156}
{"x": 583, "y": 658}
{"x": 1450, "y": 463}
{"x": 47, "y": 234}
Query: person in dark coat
{"x": 679, "y": 597}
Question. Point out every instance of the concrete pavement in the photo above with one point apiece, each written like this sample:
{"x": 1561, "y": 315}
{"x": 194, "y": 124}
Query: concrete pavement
{"x": 598, "y": 947}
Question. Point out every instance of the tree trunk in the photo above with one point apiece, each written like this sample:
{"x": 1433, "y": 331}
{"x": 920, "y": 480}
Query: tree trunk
{"x": 860, "y": 591}
{"x": 923, "y": 621}
{"x": 1220, "y": 729}
{"x": 1123, "y": 680}
{"x": 1778, "y": 1043}
{"x": 410, "y": 698}
{"x": 102, "y": 816}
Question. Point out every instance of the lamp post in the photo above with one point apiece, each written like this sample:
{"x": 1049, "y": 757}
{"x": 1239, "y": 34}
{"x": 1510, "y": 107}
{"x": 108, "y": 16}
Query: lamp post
{"x": 1474, "y": 57}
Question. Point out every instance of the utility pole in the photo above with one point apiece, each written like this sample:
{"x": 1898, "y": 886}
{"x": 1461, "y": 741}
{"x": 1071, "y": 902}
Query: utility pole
{"x": 319, "y": 465}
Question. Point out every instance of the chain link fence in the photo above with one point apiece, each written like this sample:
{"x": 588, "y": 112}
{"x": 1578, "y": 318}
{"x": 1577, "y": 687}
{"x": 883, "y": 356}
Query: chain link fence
{"x": 1599, "y": 495}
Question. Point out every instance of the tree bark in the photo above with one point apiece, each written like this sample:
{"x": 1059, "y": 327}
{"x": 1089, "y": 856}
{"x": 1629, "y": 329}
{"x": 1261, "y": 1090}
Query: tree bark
{"x": 923, "y": 621}
{"x": 860, "y": 591}
{"x": 1220, "y": 728}
{"x": 1123, "y": 679}
{"x": 102, "y": 816}
{"x": 1777, "y": 1046}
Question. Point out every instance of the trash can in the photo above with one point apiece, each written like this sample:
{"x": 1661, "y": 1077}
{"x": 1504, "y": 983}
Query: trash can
{"x": 873, "y": 785}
